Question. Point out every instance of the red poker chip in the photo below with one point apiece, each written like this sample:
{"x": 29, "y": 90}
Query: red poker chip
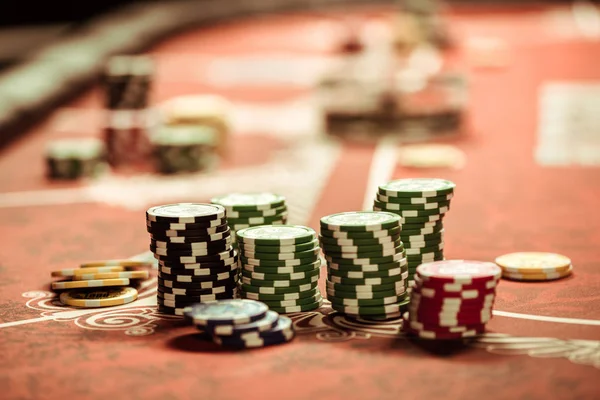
{"x": 450, "y": 315}
{"x": 438, "y": 308}
{"x": 433, "y": 335}
{"x": 446, "y": 322}
{"x": 454, "y": 287}
{"x": 416, "y": 296}
{"x": 465, "y": 295}
{"x": 459, "y": 271}
{"x": 419, "y": 326}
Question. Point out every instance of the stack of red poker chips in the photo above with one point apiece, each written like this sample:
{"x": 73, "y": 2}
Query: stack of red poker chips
{"x": 452, "y": 299}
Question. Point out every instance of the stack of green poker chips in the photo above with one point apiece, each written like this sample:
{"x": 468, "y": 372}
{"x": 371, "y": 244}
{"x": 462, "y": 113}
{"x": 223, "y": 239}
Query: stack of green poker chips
{"x": 422, "y": 203}
{"x": 367, "y": 271}
{"x": 280, "y": 265}
{"x": 245, "y": 210}
{"x": 70, "y": 159}
{"x": 184, "y": 148}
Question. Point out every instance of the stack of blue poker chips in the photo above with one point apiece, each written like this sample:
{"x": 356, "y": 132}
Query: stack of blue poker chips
{"x": 241, "y": 323}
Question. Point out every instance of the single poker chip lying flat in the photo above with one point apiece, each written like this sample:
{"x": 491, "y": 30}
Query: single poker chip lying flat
{"x": 227, "y": 312}
{"x": 185, "y": 213}
{"x": 281, "y": 256}
{"x": 533, "y": 263}
{"x": 112, "y": 275}
{"x": 90, "y": 270}
{"x": 459, "y": 271}
{"x": 384, "y": 273}
{"x": 326, "y": 233}
{"x": 293, "y": 303}
{"x": 337, "y": 242}
{"x": 549, "y": 276}
{"x": 339, "y": 294}
{"x": 99, "y": 298}
{"x": 282, "y": 333}
{"x": 298, "y": 308}
{"x": 281, "y": 297}
{"x": 269, "y": 322}
{"x": 234, "y": 202}
{"x": 202, "y": 229}
{"x": 115, "y": 263}
{"x": 279, "y": 263}
{"x": 417, "y": 187}
{"x": 346, "y": 268}
{"x": 314, "y": 266}
{"x": 295, "y": 248}
{"x": 241, "y": 215}
{"x": 346, "y": 302}
{"x": 196, "y": 291}
{"x": 360, "y": 221}
{"x": 415, "y": 200}
{"x": 373, "y": 310}
{"x": 198, "y": 271}
{"x": 276, "y": 277}
{"x": 190, "y": 299}
{"x": 91, "y": 283}
{"x": 276, "y": 235}
{"x": 277, "y": 290}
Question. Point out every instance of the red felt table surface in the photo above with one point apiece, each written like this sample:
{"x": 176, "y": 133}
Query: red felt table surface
{"x": 544, "y": 341}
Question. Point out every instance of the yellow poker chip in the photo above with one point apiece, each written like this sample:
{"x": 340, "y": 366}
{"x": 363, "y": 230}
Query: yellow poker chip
{"x": 99, "y": 297}
{"x": 533, "y": 263}
{"x": 549, "y": 276}
{"x": 91, "y": 283}
{"x": 111, "y": 275}
{"x": 78, "y": 271}
{"x": 115, "y": 263}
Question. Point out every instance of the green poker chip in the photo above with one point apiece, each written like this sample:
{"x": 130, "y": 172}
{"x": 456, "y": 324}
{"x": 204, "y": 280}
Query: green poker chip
{"x": 281, "y": 297}
{"x": 418, "y": 250}
{"x": 293, "y": 303}
{"x": 282, "y": 256}
{"x": 419, "y": 229}
{"x": 300, "y": 308}
{"x": 367, "y": 268}
{"x": 360, "y": 221}
{"x": 362, "y": 248}
{"x": 366, "y": 281}
{"x": 280, "y": 277}
{"x": 421, "y": 220}
{"x": 281, "y": 283}
{"x": 391, "y": 310}
{"x": 249, "y": 201}
{"x": 426, "y": 257}
{"x": 422, "y": 238}
{"x": 364, "y": 261}
{"x": 276, "y": 235}
{"x": 277, "y": 290}
{"x": 368, "y": 254}
{"x": 398, "y": 209}
{"x": 360, "y": 235}
{"x": 315, "y": 266}
{"x": 340, "y": 287}
{"x": 368, "y": 274}
{"x": 240, "y": 215}
{"x": 257, "y": 220}
{"x": 277, "y": 263}
{"x": 294, "y": 248}
{"x": 417, "y": 245}
{"x": 331, "y": 241}
{"x": 346, "y": 302}
{"x": 417, "y": 187}
{"x": 416, "y": 201}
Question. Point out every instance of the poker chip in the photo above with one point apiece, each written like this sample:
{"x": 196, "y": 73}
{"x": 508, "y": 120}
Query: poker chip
{"x": 282, "y": 333}
{"x": 91, "y": 270}
{"x": 303, "y": 302}
{"x": 90, "y": 283}
{"x": 384, "y": 234}
{"x": 298, "y": 308}
{"x": 366, "y": 267}
{"x": 191, "y": 299}
{"x": 282, "y": 297}
{"x": 210, "y": 227}
{"x": 276, "y": 235}
{"x": 366, "y": 274}
{"x": 115, "y": 263}
{"x": 417, "y": 187}
{"x": 531, "y": 266}
{"x": 267, "y": 323}
{"x": 99, "y": 297}
{"x": 274, "y": 277}
{"x": 70, "y": 159}
{"x": 198, "y": 271}
{"x": 332, "y": 241}
{"x": 360, "y": 221}
{"x": 295, "y": 248}
{"x": 227, "y": 312}
{"x": 314, "y": 266}
{"x": 277, "y": 263}
{"x": 185, "y": 213}
{"x": 249, "y": 202}
{"x": 245, "y": 288}
{"x": 451, "y": 299}
{"x": 112, "y": 275}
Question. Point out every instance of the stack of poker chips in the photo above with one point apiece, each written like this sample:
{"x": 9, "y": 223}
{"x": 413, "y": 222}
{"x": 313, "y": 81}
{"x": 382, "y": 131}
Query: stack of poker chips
{"x": 280, "y": 267}
{"x": 127, "y": 81}
{"x": 196, "y": 262}
{"x": 451, "y": 299}
{"x": 245, "y": 210}
{"x": 184, "y": 148}
{"x": 126, "y": 136}
{"x": 100, "y": 283}
{"x": 241, "y": 323}
{"x": 422, "y": 203}
{"x": 75, "y": 158}
{"x": 534, "y": 266}
{"x": 367, "y": 273}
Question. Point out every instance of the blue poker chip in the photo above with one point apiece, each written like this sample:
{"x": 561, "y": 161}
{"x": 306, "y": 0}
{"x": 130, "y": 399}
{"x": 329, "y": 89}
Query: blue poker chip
{"x": 227, "y": 312}
{"x": 282, "y": 333}
{"x": 267, "y": 323}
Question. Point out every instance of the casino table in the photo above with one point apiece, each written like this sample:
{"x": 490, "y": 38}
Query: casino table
{"x": 544, "y": 339}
